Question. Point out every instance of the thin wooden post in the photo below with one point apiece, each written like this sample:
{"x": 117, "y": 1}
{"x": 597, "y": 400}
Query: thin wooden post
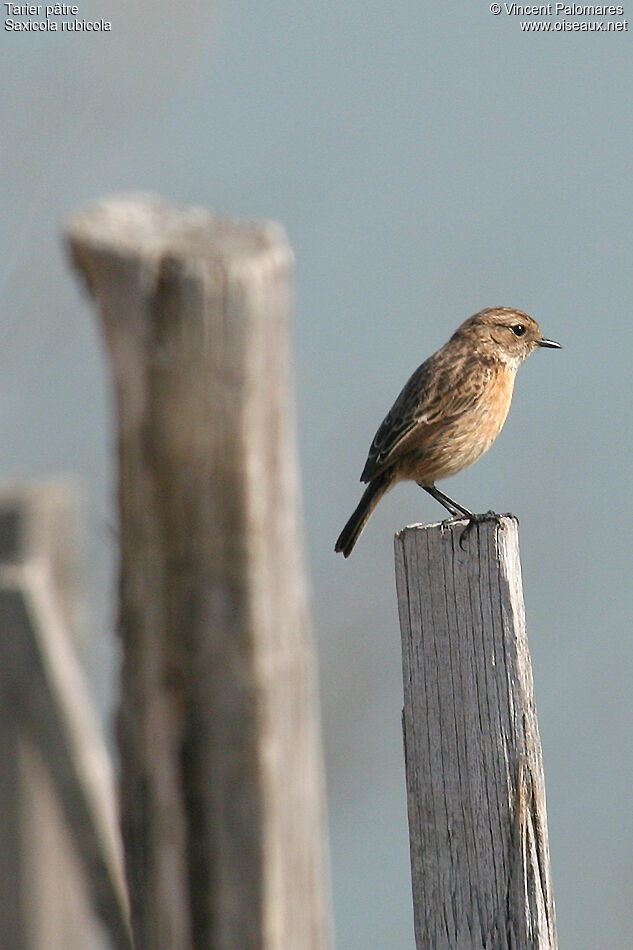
{"x": 60, "y": 847}
{"x": 475, "y": 785}
{"x": 222, "y": 783}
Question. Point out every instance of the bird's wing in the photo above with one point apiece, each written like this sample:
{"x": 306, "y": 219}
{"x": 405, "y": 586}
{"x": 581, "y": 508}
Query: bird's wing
{"x": 437, "y": 392}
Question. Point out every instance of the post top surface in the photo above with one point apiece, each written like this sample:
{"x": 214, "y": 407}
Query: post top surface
{"x": 144, "y": 224}
{"x": 489, "y": 519}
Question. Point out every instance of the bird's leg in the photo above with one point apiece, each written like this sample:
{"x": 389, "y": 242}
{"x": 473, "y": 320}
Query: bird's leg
{"x": 456, "y": 510}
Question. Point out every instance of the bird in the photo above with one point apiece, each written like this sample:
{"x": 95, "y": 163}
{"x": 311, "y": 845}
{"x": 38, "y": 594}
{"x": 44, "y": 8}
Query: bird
{"x": 449, "y": 412}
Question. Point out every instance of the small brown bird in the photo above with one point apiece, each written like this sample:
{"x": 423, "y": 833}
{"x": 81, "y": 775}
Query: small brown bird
{"x": 449, "y": 413}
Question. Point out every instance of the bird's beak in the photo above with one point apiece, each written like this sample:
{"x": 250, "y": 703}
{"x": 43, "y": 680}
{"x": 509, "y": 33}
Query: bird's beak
{"x": 549, "y": 343}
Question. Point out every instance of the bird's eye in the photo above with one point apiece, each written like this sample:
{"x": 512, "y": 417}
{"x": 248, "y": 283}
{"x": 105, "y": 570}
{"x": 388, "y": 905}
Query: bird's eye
{"x": 518, "y": 329}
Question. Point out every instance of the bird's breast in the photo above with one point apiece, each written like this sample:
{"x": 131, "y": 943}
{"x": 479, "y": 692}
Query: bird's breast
{"x": 480, "y": 428}
{"x": 496, "y": 406}
{"x": 448, "y": 447}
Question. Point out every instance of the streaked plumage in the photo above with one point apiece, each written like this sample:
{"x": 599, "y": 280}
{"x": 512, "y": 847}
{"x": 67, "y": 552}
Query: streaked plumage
{"x": 449, "y": 412}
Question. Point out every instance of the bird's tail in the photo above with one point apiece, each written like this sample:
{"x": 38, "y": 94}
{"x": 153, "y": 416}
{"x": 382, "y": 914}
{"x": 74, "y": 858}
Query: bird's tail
{"x": 371, "y": 496}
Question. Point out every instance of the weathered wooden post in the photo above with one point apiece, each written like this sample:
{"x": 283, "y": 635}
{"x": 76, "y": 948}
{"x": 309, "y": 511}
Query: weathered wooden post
{"x": 60, "y": 847}
{"x": 475, "y": 785}
{"x": 222, "y": 784}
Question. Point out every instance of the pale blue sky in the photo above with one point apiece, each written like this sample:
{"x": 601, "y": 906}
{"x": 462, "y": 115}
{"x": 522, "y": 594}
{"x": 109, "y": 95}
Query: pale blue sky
{"x": 426, "y": 162}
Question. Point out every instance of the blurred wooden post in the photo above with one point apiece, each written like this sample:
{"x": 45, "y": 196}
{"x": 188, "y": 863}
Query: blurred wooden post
{"x": 60, "y": 849}
{"x": 222, "y": 783}
{"x": 475, "y": 784}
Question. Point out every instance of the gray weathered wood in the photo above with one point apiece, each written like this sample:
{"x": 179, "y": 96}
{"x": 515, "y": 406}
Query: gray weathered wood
{"x": 222, "y": 784}
{"x": 475, "y": 784}
{"x": 57, "y": 796}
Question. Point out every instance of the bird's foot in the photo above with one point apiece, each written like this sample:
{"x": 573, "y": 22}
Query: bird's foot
{"x": 476, "y": 519}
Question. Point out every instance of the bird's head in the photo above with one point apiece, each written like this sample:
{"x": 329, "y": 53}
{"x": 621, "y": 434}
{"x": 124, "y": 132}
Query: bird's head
{"x": 503, "y": 334}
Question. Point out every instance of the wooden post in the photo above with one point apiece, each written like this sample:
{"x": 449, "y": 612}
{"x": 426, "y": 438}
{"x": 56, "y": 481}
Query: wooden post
{"x": 222, "y": 783}
{"x": 60, "y": 847}
{"x": 475, "y": 784}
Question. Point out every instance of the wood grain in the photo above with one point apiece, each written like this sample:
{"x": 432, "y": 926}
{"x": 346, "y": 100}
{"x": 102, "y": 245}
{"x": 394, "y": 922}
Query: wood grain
{"x": 222, "y": 782}
{"x": 475, "y": 784}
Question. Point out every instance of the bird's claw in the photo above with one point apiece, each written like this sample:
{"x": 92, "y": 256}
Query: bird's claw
{"x": 472, "y": 521}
